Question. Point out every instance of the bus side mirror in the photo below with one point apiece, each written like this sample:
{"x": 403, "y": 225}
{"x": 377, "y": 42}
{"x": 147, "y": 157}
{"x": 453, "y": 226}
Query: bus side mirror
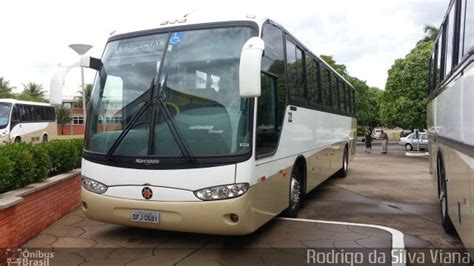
{"x": 57, "y": 82}
{"x": 250, "y": 67}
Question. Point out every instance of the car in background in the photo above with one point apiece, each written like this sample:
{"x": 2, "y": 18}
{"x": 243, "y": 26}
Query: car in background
{"x": 411, "y": 141}
{"x": 377, "y": 133}
{"x": 405, "y": 133}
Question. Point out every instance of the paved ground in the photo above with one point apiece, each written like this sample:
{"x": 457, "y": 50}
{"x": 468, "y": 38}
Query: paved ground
{"x": 77, "y": 240}
{"x": 391, "y": 190}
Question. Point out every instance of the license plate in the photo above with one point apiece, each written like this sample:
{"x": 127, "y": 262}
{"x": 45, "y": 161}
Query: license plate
{"x": 145, "y": 216}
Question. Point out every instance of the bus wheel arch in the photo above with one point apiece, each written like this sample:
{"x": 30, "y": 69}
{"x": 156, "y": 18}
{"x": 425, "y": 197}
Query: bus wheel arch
{"x": 17, "y": 139}
{"x": 297, "y": 188}
{"x": 45, "y": 138}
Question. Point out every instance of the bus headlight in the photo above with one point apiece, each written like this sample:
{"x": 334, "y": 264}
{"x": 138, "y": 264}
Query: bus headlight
{"x": 93, "y": 186}
{"x": 222, "y": 192}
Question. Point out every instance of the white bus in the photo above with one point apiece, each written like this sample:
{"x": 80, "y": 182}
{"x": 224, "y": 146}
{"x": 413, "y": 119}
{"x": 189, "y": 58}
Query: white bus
{"x": 451, "y": 119}
{"x": 22, "y": 121}
{"x": 224, "y": 125}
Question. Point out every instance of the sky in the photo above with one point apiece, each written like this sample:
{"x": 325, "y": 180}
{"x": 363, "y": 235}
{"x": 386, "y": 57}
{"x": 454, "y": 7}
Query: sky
{"x": 365, "y": 35}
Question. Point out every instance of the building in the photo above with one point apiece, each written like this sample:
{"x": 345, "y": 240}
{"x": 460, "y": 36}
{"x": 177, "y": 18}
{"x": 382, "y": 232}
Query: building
{"x": 110, "y": 120}
{"x": 77, "y": 124}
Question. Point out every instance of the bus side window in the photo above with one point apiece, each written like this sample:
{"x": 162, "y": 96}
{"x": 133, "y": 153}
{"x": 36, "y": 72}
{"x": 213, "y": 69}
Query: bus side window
{"x": 325, "y": 86}
{"x": 296, "y": 83}
{"x": 469, "y": 27}
{"x": 273, "y": 61}
{"x": 342, "y": 96}
{"x": 312, "y": 75}
{"x": 334, "y": 92}
{"x": 267, "y": 128}
{"x": 15, "y": 116}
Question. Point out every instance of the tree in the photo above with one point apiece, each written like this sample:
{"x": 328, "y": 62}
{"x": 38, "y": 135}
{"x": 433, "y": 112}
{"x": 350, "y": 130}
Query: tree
{"x": 367, "y": 99}
{"x": 63, "y": 116}
{"x": 5, "y": 89}
{"x": 404, "y": 101}
{"x": 88, "y": 92}
{"x": 430, "y": 33}
{"x": 32, "y": 92}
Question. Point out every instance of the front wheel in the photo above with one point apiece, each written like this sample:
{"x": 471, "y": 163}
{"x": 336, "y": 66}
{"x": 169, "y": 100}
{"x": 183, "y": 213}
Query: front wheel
{"x": 408, "y": 147}
{"x": 295, "y": 196}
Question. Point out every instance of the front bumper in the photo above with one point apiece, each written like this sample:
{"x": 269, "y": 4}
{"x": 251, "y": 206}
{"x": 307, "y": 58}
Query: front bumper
{"x": 211, "y": 217}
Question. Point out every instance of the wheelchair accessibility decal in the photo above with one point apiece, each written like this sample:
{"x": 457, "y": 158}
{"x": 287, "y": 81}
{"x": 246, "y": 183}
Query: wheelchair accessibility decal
{"x": 176, "y": 38}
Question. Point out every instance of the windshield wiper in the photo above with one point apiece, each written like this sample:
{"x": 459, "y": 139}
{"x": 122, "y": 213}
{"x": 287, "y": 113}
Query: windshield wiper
{"x": 132, "y": 123}
{"x": 178, "y": 137}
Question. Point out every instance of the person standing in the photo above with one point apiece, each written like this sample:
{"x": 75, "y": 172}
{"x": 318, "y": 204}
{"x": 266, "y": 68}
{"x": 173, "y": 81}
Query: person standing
{"x": 384, "y": 142}
{"x": 368, "y": 141}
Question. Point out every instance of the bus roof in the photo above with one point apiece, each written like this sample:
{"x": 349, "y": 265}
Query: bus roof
{"x": 206, "y": 17}
{"x": 15, "y": 101}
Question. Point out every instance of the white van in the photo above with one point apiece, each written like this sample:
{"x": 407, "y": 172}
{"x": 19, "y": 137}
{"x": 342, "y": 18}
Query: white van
{"x": 377, "y": 133}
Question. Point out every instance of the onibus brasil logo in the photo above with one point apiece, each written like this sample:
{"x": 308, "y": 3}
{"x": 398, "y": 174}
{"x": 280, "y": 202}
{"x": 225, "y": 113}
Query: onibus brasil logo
{"x": 23, "y": 257}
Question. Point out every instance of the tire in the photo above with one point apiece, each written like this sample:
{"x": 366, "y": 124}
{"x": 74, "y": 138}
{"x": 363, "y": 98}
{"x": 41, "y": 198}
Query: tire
{"x": 408, "y": 147}
{"x": 17, "y": 140}
{"x": 295, "y": 195}
{"x": 443, "y": 200}
{"x": 345, "y": 164}
{"x": 45, "y": 138}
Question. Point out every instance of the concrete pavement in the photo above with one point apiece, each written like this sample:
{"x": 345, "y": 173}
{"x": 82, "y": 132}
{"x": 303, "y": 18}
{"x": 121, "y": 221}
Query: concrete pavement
{"x": 391, "y": 190}
{"x": 76, "y": 240}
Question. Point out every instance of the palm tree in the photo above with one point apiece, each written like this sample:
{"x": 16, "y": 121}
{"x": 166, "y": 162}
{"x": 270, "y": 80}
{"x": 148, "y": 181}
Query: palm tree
{"x": 88, "y": 92}
{"x": 430, "y": 33}
{"x": 63, "y": 116}
{"x": 5, "y": 89}
{"x": 32, "y": 92}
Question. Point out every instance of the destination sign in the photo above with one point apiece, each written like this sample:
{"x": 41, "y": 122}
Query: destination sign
{"x": 140, "y": 46}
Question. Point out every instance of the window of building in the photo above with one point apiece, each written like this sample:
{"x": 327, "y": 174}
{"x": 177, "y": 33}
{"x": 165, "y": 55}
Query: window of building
{"x": 77, "y": 120}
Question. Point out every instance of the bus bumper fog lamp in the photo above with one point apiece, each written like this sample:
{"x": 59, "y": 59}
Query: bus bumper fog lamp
{"x": 222, "y": 192}
{"x": 93, "y": 186}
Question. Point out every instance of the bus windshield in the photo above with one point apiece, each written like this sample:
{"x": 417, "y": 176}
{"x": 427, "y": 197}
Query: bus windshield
{"x": 4, "y": 114}
{"x": 194, "y": 74}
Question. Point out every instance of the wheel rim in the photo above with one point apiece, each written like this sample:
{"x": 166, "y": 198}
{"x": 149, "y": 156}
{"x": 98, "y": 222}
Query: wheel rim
{"x": 295, "y": 193}
{"x": 408, "y": 147}
{"x": 443, "y": 205}
{"x": 345, "y": 161}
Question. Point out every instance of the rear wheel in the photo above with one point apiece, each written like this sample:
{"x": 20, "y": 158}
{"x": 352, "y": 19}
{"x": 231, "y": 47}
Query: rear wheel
{"x": 408, "y": 147}
{"x": 345, "y": 164}
{"x": 443, "y": 200}
{"x": 45, "y": 138}
{"x": 295, "y": 196}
